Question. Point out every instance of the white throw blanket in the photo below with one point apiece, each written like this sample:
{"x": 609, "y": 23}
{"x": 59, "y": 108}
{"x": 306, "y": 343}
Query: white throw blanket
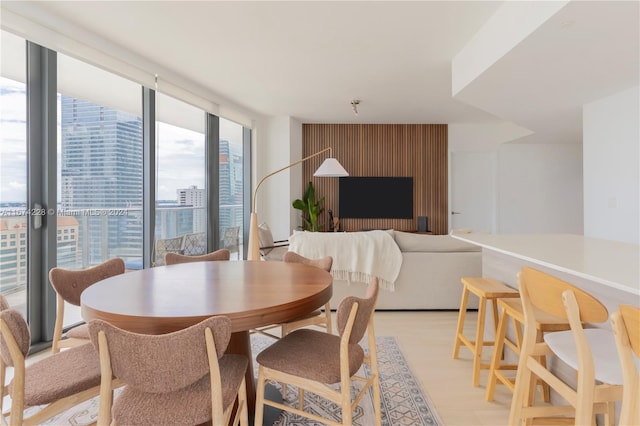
{"x": 357, "y": 256}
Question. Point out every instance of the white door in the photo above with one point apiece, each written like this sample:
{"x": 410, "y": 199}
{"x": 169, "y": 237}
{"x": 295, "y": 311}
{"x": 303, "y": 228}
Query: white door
{"x": 473, "y": 190}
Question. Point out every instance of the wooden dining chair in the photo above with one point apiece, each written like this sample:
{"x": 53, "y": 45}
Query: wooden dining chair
{"x": 317, "y": 317}
{"x": 175, "y": 258}
{"x": 182, "y": 377}
{"x": 314, "y": 360}
{"x": 3, "y": 303}
{"x": 626, "y": 328}
{"x": 56, "y": 383}
{"x": 69, "y": 285}
{"x": 590, "y": 352}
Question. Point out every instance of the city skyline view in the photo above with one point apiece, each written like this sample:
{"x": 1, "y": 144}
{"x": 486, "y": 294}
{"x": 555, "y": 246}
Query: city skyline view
{"x": 186, "y": 149}
{"x": 100, "y": 183}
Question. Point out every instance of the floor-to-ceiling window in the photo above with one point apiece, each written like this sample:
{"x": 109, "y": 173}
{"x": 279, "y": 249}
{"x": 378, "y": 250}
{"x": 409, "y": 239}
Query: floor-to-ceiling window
{"x": 14, "y": 213}
{"x": 99, "y": 166}
{"x": 74, "y": 141}
{"x": 231, "y": 186}
{"x": 181, "y": 223}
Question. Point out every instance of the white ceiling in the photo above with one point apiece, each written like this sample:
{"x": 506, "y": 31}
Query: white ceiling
{"x": 308, "y": 60}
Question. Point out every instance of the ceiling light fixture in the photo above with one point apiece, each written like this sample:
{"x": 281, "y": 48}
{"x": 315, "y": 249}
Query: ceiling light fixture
{"x": 354, "y": 105}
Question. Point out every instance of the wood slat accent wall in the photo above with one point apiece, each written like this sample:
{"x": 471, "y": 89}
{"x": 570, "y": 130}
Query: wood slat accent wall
{"x": 417, "y": 150}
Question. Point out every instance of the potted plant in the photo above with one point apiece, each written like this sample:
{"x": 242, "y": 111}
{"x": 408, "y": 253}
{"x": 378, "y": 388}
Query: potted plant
{"x": 311, "y": 209}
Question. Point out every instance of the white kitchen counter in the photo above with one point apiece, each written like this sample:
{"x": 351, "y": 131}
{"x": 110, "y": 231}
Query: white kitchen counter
{"x": 608, "y": 270}
{"x": 611, "y": 263}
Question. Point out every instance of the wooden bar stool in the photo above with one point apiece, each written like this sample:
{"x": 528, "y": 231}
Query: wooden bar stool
{"x": 512, "y": 309}
{"x": 486, "y": 289}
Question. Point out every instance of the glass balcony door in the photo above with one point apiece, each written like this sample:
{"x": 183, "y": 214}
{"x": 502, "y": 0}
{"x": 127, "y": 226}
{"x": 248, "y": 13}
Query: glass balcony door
{"x": 181, "y": 200}
{"x": 99, "y": 168}
{"x": 14, "y": 211}
{"x": 231, "y": 188}
{"x": 80, "y": 168}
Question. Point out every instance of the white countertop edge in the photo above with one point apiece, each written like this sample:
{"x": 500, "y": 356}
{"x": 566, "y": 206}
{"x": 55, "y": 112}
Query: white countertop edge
{"x": 618, "y": 286}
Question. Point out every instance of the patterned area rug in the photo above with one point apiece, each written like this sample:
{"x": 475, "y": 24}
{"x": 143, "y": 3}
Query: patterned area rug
{"x": 403, "y": 401}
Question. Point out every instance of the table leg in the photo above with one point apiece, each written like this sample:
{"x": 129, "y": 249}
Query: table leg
{"x": 240, "y": 343}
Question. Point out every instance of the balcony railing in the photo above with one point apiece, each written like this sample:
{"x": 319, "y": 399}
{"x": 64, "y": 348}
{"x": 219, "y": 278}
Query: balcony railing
{"x": 86, "y": 237}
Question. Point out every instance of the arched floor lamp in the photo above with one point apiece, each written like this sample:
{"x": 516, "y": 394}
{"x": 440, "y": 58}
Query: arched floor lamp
{"x": 330, "y": 167}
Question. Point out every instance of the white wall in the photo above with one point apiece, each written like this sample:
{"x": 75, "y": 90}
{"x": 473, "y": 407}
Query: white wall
{"x": 611, "y": 162}
{"x": 273, "y": 150}
{"x": 295, "y": 183}
{"x": 483, "y": 136}
{"x": 540, "y": 188}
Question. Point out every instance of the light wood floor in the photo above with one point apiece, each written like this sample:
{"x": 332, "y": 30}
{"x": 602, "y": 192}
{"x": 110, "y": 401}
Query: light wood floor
{"x": 426, "y": 340}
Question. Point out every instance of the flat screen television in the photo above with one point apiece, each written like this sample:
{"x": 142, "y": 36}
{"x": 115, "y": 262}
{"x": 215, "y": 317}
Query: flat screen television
{"x": 369, "y": 197}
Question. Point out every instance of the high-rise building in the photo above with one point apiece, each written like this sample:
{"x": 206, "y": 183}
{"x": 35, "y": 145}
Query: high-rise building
{"x": 192, "y": 196}
{"x": 13, "y": 249}
{"x": 196, "y": 198}
{"x": 101, "y": 169}
{"x": 231, "y": 185}
{"x": 101, "y": 172}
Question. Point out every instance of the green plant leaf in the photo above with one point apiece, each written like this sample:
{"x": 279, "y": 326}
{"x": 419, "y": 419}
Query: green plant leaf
{"x": 310, "y": 208}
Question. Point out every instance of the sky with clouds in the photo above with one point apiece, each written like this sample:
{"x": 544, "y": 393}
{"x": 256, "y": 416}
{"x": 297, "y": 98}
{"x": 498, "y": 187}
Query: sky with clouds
{"x": 180, "y": 151}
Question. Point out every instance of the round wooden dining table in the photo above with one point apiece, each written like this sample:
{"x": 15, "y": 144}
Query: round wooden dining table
{"x": 169, "y": 298}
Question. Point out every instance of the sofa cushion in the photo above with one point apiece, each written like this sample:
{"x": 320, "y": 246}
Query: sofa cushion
{"x": 410, "y": 242}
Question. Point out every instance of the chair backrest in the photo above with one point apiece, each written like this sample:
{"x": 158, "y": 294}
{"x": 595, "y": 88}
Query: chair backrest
{"x": 175, "y": 258}
{"x": 366, "y": 307}
{"x": 626, "y": 327}
{"x": 231, "y": 237}
{"x": 161, "y": 363}
{"x": 70, "y": 284}
{"x": 14, "y": 334}
{"x": 557, "y": 297}
{"x": 322, "y": 263}
{"x": 163, "y": 246}
{"x": 194, "y": 244}
{"x": 4, "y": 304}
{"x": 545, "y": 291}
{"x": 630, "y": 316}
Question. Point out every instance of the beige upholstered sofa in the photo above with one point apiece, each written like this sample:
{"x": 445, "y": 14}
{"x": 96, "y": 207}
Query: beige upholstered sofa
{"x": 429, "y": 277}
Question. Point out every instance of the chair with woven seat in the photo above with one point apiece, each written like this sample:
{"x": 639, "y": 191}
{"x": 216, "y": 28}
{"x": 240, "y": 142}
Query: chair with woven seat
{"x": 270, "y": 249}
{"x": 589, "y": 351}
{"x": 313, "y": 360}
{"x": 162, "y": 246}
{"x": 175, "y": 258}
{"x": 317, "y": 318}
{"x": 231, "y": 239}
{"x": 194, "y": 244}
{"x": 69, "y": 285}
{"x": 182, "y": 377}
{"x": 57, "y": 382}
{"x": 626, "y": 328}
